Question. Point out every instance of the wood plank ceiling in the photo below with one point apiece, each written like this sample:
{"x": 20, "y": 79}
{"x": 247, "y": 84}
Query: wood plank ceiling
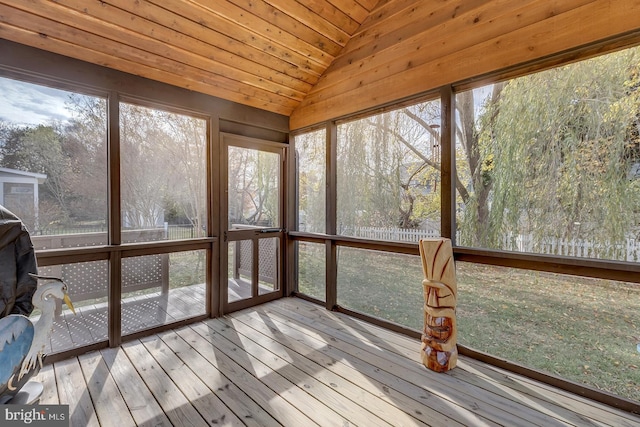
{"x": 263, "y": 53}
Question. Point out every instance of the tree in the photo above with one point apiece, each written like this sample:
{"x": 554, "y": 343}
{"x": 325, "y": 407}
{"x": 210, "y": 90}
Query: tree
{"x": 554, "y": 150}
{"x": 186, "y": 146}
{"x": 40, "y": 149}
{"x": 163, "y": 167}
{"x": 387, "y": 169}
{"x": 86, "y": 137}
{"x": 311, "y": 157}
{"x": 473, "y": 164}
{"x": 254, "y": 178}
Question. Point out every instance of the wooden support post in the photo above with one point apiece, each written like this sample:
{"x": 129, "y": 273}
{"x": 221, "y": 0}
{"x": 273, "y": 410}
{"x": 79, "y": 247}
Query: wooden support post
{"x": 164, "y": 273}
{"x": 439, "y": 352}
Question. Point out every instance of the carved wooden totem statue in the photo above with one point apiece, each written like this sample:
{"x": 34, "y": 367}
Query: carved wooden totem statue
{"x": 439, "y": 351}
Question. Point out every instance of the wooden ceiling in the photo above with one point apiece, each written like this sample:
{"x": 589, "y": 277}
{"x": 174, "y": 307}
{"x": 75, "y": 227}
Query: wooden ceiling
{"x": 317, "y": 60}
{"x": 263, "y": 53}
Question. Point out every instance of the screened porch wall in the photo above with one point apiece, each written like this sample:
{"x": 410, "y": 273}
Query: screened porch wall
{"x": 127, "y": 281}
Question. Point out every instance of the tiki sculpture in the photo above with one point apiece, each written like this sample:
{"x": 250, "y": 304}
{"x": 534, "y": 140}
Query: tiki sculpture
{"x": 439, "y": 352}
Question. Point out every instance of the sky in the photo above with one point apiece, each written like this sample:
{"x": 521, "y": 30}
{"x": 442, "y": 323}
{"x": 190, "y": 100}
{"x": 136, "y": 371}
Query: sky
{"x": 25, "y": 103}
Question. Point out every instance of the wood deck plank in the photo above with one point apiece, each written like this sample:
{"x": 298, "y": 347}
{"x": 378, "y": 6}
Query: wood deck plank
{"x": 502, "y": 410}
{"x": 206, "y": 369}
{"x": 270, "y": 400}
{"x": 48, "y": 379}
{"x": 368, "y": 332}
{"x": 543, "y": 411}
{"x": 143, "y": 406}
{"x": 575, "y": 409}
{"x": 210, "y": 407}
{"x": 72, "y": 392}
{"x": 184, "y": 305}
{"x": 584, "y": 409}
{"x": 140, "y": 312}
{"x": 144, "y": 312}
{"x": 345, "y": 382}
{"x": 61, "y": 336}
{"x": 159, "y": 306}
{"x": 423, "y": 404}
{"x": 78, "y": 328}
{"x": 407, "y": 347}
{"x": 193, "y": 296}
{"x": 329, "y": 404}
{"x": 96, "y": 318}
{"x": 109, "y": 405}
{"x": 292, "y": 363}
{"x": 174, "y": 404}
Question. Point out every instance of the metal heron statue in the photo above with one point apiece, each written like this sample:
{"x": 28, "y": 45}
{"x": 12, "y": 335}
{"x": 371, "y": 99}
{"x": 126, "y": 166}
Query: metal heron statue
{"x": 22, "y": 342}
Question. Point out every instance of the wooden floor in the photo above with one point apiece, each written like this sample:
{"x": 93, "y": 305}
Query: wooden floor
{"x": 293, "y": 363}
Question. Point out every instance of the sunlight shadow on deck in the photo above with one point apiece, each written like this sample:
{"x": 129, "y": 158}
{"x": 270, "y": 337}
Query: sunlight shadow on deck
{"x": 286, "y": 363}
{"x": 394, "y": 395}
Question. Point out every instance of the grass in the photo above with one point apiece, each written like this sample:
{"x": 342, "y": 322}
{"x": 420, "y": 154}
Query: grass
{"x": 577, "y": 328}
{"x": 187, "y": 268}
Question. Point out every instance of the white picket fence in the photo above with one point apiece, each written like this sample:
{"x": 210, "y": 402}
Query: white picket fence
{"x": 627, "y": 251}
{"x": 401, "y": 234}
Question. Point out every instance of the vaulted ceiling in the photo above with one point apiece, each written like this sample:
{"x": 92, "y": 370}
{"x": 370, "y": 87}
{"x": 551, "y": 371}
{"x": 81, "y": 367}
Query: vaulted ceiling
{"x": 316, "y": 60}
{"x": 262, "y": 53}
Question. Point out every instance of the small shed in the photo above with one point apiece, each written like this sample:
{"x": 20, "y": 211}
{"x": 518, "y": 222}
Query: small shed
{"x": 19, "y": 193}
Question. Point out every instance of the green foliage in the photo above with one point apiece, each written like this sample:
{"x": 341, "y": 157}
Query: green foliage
{"x": 555, "y": 151}
{"x": 162, "y": 167}
{"x": 35, "y": 149}
{"x": 41, "y": 149}
{"x": 72, "y": 155}
{"x": 187, "y": 268}
{"x": 311, "y": 158}
{"x": 253, "y": 186}
{"x": 381, "y": 284}
{"x": 388, "y": 169}
{"x": 312, "y": 269}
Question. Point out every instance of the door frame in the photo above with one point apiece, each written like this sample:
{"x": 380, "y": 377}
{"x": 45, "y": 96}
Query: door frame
{"x": 254, "y": 235}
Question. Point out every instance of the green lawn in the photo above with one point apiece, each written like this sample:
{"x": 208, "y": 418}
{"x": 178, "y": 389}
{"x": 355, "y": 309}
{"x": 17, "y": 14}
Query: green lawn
{"x": 581, "y": 329}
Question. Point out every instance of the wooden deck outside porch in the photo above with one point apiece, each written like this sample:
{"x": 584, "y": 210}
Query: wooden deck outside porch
{"x": 89, "y": 324}
{"x": 292, "y": 363}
